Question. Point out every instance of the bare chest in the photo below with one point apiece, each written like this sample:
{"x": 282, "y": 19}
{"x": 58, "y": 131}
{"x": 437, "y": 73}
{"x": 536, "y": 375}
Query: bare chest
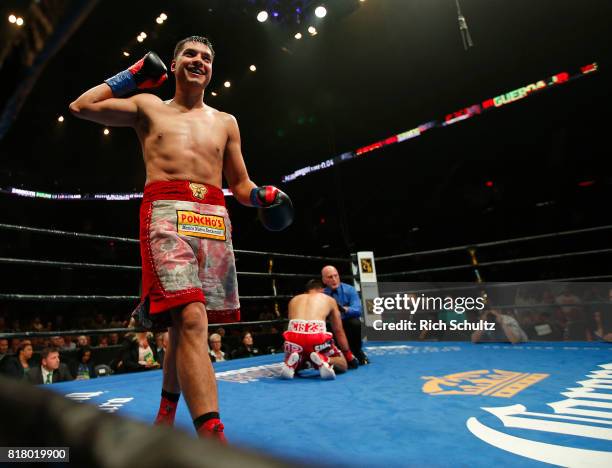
{"x": 197, "y": 133}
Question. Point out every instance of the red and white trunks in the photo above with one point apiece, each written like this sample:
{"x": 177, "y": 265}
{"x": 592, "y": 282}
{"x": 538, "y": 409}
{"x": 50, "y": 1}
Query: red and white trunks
{"x": 186, "y": 250}
{"x": 306, "y": 336}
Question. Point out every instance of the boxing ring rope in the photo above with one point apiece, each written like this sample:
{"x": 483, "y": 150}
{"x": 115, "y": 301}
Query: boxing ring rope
{"x": 495, "y": 262}
{"x": 99, "y": 266}
{"x": 104, "y": 331}
{"x": 475, "y": 264}
{"x": 56, "y": 232}
{"x": 493, "y": 243}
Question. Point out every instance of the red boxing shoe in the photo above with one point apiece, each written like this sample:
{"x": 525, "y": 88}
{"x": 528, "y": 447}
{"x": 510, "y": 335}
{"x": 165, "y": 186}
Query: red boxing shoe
{"x": 166, "y": 413}
{"x": 213, "y": 429}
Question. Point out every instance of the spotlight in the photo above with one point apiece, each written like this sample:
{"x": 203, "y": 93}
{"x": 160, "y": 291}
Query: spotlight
{"x": 143, "y": 35}
{"x": 159, "y": 21}
{"x": 12, "y": 19}
{"x": 60, "y": 119}
{"x": 19, "y": 21}
{"x": 106, "y": 131}
{"x": 312, "y": 30}
{"x": 127, "y": 54}
{"x": 163, "y": 16}
{"x": 320, "y": 11}
{"x": 227, "y": 84}
{"x": 262, "y": 16}
{"x": 140, "y": 39}
{"x": 252, "y": 68}
{"x": 213, "y": 93}
{"x": 298, "y": 35}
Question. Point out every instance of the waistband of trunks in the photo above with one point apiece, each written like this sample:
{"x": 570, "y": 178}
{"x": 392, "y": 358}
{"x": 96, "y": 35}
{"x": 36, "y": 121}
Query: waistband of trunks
{"x": 183, "y": 190}
{"x": 306, "y": 326}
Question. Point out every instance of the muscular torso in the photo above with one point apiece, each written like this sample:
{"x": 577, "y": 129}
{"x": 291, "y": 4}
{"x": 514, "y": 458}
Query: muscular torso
{"x": 179, "y": 144}
{"x": 316, "y": 306}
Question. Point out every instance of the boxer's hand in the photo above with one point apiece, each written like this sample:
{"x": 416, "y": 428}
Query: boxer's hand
{"x": 275, "y": 209}
{"x": 149, "y": 72}
{"x": 352, "y": 361}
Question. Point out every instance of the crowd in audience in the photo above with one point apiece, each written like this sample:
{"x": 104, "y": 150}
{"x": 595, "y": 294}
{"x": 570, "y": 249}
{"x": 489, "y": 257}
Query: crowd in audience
{"x": 575, "y": 313}
{"x": 537, "y": 313}
{"x": 88, "y": 356}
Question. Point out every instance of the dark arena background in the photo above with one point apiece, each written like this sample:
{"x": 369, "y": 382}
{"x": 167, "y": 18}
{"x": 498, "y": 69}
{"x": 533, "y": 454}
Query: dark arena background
{"x": 437, "y": 149}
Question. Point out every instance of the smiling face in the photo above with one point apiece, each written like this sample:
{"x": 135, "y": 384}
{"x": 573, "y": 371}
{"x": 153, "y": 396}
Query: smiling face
{"x": 192, "y": 66}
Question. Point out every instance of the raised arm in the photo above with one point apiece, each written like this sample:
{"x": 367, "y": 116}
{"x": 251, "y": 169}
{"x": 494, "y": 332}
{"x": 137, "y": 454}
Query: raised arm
{"x": 98, "y": 105}
{"x": 101, "y": 104}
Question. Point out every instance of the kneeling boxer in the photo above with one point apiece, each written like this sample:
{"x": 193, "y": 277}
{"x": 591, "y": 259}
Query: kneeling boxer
{"x": 308, "y": 341}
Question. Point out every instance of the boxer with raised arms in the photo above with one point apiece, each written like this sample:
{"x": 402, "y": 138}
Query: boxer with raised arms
{"x": 189, "y": 274}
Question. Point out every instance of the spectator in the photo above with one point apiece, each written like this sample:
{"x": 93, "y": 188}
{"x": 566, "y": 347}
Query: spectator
{"x": 69, "y": 342}
{"x": 601, "y": 323}
{"x": 99, "y": 321}
{"x": 139, "y": 353}
{"x": 82, "y": 340}
{"x": 18, "y": 366}
{"x": 545, "y": 327}
{"x": 14, "y": 346}
{"x": 161, "y": 343}
{"x": 4, "y": 350}
{"x": 216, "y": 354}
{"x": 37, "y": 324}
{"x": 573, "y": 317}
{"x": 350, "y": 309}
{"x": 83, "y": 367}
{"x": 246, "y": 348}
{"x": 113, "y": 339}
{"x": 58, "y": 342}
{"x": 506, "y": 328}
{"x": 103, "y": 341}
{"x": 51, "y": 370}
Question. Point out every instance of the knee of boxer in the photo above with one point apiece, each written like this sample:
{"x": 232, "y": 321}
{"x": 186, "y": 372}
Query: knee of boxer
{"x": 192, "y": 319}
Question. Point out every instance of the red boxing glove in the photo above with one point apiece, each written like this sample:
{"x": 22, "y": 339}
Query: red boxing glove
{"x": 275, "y": 207}
{"x": 148, "y": 72}
{"x": 351, "y": 360}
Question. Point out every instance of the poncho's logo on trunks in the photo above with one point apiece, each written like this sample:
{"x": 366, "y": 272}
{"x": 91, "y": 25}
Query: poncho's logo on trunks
{"x": 199, "y": 191}
{"x": 498, "y": 383}
{"x": 573, "y": 434}
{"x": 200, "y": 225}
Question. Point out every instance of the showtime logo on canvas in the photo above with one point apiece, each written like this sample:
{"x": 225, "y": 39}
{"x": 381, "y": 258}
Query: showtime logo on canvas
{"x": 585, "y": 414}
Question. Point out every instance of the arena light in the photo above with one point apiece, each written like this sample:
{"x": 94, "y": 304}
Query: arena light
{"x": 320, "y": 11}
{"x": 12, "y": 19}
{"x": 262, "y": 16}
{"x": 106, "y": 131}
{"x": 227, "y": 84}
{"x": 140, "y": 38}
{"x": 253, "y": 68}
{"x": 159, "y": 21}
{"x": 312, "y": 30}
{"x": 298, "y": 35}
{"x": 60, "y": 119}
{"x": 19, "y": 21}
{"x": 163, "y": 16}
{"x": 127, "y": 54}
{"x": 213, "y": 93}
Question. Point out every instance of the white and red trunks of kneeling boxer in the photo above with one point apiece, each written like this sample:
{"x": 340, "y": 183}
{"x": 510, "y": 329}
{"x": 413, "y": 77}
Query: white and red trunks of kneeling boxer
{"x": 308, "y": 341}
